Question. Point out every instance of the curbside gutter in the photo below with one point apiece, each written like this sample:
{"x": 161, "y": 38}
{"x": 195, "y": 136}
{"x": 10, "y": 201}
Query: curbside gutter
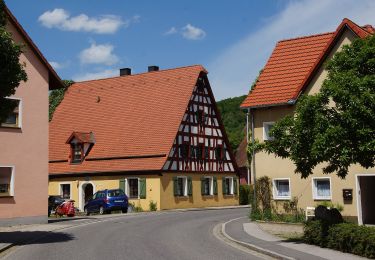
{"x": 251, "y": 246}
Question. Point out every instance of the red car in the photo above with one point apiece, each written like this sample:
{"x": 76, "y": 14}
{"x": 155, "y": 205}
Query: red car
{"x": 66, "y": 208}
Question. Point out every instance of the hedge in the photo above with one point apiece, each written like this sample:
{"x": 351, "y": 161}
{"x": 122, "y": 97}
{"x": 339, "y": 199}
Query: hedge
{"x": 246, "y": 194}
{"x": 345, "y": 237}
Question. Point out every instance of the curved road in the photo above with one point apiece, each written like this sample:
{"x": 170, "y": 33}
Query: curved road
{"x": 164, "y": 235}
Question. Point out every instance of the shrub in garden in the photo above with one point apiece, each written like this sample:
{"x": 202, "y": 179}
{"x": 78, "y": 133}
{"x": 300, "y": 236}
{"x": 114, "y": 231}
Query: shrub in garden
{"x": 246, "y": 195}
{"x": 153, "y": 206}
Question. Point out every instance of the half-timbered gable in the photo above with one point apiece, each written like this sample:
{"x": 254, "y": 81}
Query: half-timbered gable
{"x": 201, "y": 144}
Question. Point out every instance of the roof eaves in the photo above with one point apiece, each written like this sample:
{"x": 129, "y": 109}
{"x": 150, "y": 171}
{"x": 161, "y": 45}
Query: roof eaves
{"x": 54, "y": 80}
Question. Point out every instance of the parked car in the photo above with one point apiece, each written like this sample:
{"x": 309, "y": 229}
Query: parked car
{"x": 105, "y": 201}
{"x": 53, "y": 202}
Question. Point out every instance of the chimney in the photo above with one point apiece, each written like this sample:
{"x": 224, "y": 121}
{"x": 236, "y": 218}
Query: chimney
{"x": 153, "y": 68}
{"x": 125, "y": 71}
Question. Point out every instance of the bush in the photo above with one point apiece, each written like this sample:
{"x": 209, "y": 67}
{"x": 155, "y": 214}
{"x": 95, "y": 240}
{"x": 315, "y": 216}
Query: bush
{"x": 345, "y": 237}
{"x": 246, "y": 194}
{"x": 329, "y": 204}
{"x": 153, "y": 206}
{"x": 135, "y": 208}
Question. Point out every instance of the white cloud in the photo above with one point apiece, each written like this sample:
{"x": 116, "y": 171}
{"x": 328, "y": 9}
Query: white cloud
{"x": 233, "y": 71}
{"x": 189, "y": 32}
{"x": 98, "y": 54}
{"x": 105, "y": 24}
{"x": 56, "y": 65}
{"x": 96, "y": 75}
{"x": 173, "y": 30}
{"x": 193, "y": 33}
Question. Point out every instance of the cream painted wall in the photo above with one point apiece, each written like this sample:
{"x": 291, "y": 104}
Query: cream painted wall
{"x": 169, "y": 201}
{"x": 274, "y": 167}
{"x": 27, "y": 149}
{"x": 108, "y": 182}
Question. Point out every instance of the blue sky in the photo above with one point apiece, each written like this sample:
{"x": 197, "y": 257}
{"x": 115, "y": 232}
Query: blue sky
{"x": 86, "y": 39}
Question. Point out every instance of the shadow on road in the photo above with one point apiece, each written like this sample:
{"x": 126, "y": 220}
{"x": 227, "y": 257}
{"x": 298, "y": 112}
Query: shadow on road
{"x": 34, "y": 237}
{"x": 54, "y": 220}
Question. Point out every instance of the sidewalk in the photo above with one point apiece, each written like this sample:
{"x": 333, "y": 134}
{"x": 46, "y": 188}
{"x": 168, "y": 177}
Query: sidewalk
{"x": 245, "y": 232}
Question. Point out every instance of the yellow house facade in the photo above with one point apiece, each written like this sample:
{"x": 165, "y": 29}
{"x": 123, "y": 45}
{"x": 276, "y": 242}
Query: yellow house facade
{"x": 300, "y": 69}
{"x": 161, "y": 141}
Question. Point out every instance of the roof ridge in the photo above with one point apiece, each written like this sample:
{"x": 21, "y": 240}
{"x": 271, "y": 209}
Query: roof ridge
{"x": 306, "y": 36}
{"x": 142, "y": 73}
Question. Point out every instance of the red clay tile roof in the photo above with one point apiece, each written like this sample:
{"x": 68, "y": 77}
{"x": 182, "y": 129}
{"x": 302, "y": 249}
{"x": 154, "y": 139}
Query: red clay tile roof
{"x": 292, "y": 65}
{"x": 131, "y": 116}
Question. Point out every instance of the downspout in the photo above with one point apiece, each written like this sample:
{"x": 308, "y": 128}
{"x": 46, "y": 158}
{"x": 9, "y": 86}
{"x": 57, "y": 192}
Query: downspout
{"x": 253, "y": 156}
{"x": 247, "y": 142}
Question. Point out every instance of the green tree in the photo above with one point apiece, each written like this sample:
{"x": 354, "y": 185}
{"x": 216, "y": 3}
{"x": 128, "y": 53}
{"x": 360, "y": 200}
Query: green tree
{"x": 11, "y": 70}
{"x": 56, "y": 96}
{"x": 337, "y": 125}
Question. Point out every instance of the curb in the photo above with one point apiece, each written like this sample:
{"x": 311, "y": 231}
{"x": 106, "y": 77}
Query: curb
{"x": 251, "y": 246}
{"x": 4, "y": 248}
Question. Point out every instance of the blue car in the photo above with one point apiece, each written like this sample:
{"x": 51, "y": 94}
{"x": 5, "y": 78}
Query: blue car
{"x": 105, "y": 201}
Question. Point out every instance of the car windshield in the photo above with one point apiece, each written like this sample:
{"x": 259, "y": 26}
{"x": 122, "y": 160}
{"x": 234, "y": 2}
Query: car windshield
{"x": 115, "y": 193}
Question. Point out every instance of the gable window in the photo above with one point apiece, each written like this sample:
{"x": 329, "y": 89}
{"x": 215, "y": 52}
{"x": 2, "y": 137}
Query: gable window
{"x": 229, "y": 185}
{"x": 321, "y": 188}
{"x": 14, "y": 118}
{"x": 6, "y": 181}
{"x": 267, "y": 126}
{"x": 220, "y": 153}
{"x": 65, "y": 190}
{"x": 281, "y": 189}
{"x": 77, "y": 152}
{"x": 184, "y": 150}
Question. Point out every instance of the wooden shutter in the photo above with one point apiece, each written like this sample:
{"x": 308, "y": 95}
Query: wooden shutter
{"x": 142, "y": 188}
{"x": 190, "y": 186}
{"x": 215, "y": 185}
{"x": 235, "y": 185}
{"x": 224, "y": 186}
{"x": 122, "y": 185}
{"x": 175, "y": 188}
{"x": 202, "y": 185}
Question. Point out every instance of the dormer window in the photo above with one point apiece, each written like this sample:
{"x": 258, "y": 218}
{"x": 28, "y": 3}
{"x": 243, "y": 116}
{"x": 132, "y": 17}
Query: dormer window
{"x": 80, "y": 145}
{"x": 77, "y": 152}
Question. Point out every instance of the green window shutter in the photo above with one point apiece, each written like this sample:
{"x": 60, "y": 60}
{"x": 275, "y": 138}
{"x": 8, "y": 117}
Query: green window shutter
{"x": 190, "y": 186}
{"x": 224, "y": 186}
{"x": 175, "y": 188}
{"x": 142, "y": 188}
{"x": 122, "y": 185}
{"x": 202, "y": 185}
{"x": 215, "y": 185}
{"x": 235, "y": 185}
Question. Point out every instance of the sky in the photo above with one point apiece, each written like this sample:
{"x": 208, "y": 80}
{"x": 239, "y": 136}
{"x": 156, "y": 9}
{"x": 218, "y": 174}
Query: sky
{"x": 90, "y": 39}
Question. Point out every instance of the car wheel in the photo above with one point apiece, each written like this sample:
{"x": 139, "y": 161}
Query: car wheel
{"x": 125, "y": 210}
{"x": 101, "y": 210}
{"x": 87, "y": 213}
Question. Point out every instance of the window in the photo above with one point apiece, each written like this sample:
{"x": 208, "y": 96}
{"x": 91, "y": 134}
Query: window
{"x": 322, "y": 188}
{"x": 132, "y": 188}
{"x": 220, "y": 153}
{"x": 65, "y": 190}
{"x": 229, "y": 185}
{"x": 207, "y": 186}
{"x": 6, "y": 181}
{"x": 182, "y": 186}
{"x": 77, "y": 152}
{"x": 281, "y": 189}
{"x": 267, "y": 126}
{"x": 14, "y": 118}
{"x": 184, "y": 150}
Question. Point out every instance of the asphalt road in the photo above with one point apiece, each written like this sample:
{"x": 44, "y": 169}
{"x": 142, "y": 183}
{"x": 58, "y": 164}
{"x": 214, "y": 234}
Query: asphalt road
{"x": 164, "y": 235}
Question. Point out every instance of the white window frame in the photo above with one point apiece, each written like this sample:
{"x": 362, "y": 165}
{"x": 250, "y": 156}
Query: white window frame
{"x": 211, "y": 183}
{"x": 61, "y": 190}
{"x": 231, "y": 185}
{"x": 11, "y": 184}
{"x": 266, "y": 136}
{"x": 127, "y": 188}
{"x": 315, "y": 189}
{"x": 19, "y": 126}
{"x": 184, "y": 184}
{"x": 275, "y": 191}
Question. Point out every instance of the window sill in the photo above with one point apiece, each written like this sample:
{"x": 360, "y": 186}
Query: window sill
{"x": 10, "y": 127}
{"x": 208, "y": 195}
{"x": 323, "y": 198}
{"x": 4, "y": 195}
{"x": 282, "y": 198}
{"x": 229, "y": 195}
